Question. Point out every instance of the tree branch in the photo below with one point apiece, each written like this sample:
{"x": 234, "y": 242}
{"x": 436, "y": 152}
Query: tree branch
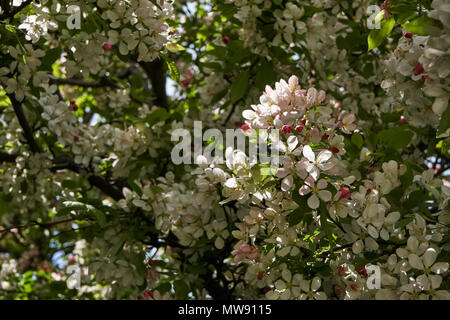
{"x": 104, "y": 82}
{"x": 35, "y": 223}
{"x": 6, "y": 157}
{"x": 27, "y": 131}
{"x": 100, "y": 182}
{"x": 9, "y": 14}
{"x": 156, "y": 72}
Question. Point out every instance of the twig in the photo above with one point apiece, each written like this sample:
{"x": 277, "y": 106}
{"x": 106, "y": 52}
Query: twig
{"x": 9, "y": 14}
{"x": 104, "y": 82}
{"x": 27, "y": 131}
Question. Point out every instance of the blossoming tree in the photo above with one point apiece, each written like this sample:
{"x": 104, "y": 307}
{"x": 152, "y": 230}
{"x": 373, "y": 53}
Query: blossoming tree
{"x": 355, "y": 100}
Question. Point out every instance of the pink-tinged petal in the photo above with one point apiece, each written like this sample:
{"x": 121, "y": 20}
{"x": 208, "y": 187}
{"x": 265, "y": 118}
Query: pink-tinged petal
{"x": 311, "y": 95}
{"x": 293, "y": 81}
{"x": 324, "y": 156}
{"x": 249, "y": 114}
{"x": 287, "y": 162}
{"x": 313, "y": 202}
{"x": 326, "y": 166}
{"x": 349, "y": 118}
{"x": 304, "y": 190}
{"x": 322, "y": 96}
{"x": 292, "y": 142}
{"x": 322, "y": 184}
{"x": 274, "y": 109}
{"x": 301, "y": 172}
{"x": 314, "y": 172}
{"x": 325, "y": 195}
{"x": 309, "y": 153}
{"x": 287, "y": 183}
{"x": 315, "y": 135}
{"x": 281, "y": 173}
{"x": 310, "y": 181}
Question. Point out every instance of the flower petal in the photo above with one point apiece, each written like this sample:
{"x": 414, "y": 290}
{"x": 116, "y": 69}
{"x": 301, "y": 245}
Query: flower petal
{"x": 287, "y": 183}
{"x": 439, "y": 267}
{"x": 429, "y": 257}
{"x": 304, "y": 190}
{"x": 308, "y": 153}
{"x": 325, "y": 195}
{"x": 322, "y": 184}
{"x": 324, "y": 156}
{"x": 315, "y": 284}
{"x": 313, "y": 202}
{"x": 415, "y": 261}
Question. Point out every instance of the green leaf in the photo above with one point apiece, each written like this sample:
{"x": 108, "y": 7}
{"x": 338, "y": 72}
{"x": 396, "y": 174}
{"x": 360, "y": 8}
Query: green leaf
{"x": 77, "y": 206}
{"x": 377, "y": 36}
{"x": 296, "y": 216}
{"x": 407, "y": 178}
{"x": 51, "y": 55}
{"x": 164, "y": 287}
{"x": 239, "y": 86}
{"x": 299, "y": 213}
{"x": 396, "y": 137}
{"x": 391, "y": 117}
{"x": 403, "y": 222}
{"x": 265, "y": 75}
{"x": 156, "y": 116}
{"x": 323, "y": 221}
{"x": 181, "y": 289}
{"x": 357, "y": 139}
{"x": 445, "y": 122}
{"x": 422, "y": 25}
{"x": 174, "y": 73}
{"x": 175, "y": 47}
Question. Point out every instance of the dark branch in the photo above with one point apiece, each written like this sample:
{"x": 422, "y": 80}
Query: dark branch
{"x": 9, "y": 14}
{"x": 100, "y": 182}
{"x": 104, "y": 82}
{"x": 156, "y": 72}
{"x": 43, "y": 225}
{"x": 27, "y": 131}
{"x": 6, "y": 157}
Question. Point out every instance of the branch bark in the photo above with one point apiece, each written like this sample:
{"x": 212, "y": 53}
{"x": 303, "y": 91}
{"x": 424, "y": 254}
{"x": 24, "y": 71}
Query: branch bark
{"x": 9, "y": 14}
{"x": 104, "y": 82}
{"x": 100, "y": 182}
{"x": 156, "y": 72}
{"x": 6, "y": 157}
{"x": 27, "y": 131}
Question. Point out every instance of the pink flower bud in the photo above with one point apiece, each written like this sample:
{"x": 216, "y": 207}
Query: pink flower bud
{"x": 245, "y": 127}
{"x": 418, "y": 70}
{"x": 106, "y": 47}
{"x": 345, "y": 192}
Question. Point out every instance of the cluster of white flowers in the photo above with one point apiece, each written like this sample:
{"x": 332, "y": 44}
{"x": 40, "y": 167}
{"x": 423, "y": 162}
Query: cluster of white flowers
{"x": 312, "y": 138}
{"x": 418, "y": 70}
